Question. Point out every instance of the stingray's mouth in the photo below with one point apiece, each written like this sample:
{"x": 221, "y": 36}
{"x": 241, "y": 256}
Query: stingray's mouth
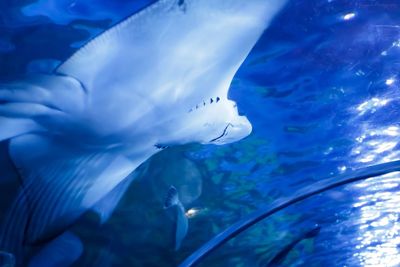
{"x": 224, "y": 133}
{"x": 234, "y": 131}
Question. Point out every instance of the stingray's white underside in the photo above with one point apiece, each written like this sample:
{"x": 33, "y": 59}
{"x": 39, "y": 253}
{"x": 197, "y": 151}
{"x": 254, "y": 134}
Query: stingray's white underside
{"x": 159, "y": 78}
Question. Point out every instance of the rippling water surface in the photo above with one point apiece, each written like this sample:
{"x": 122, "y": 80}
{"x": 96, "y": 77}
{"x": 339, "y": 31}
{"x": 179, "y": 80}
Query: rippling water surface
{"x": 322, "y": 90}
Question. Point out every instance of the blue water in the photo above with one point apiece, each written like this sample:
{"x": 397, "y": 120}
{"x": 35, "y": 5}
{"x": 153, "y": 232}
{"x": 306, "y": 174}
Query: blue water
{"x": 322, "y": 90}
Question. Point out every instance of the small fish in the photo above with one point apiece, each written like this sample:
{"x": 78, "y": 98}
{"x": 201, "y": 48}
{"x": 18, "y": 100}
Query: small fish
{"x": 172, "y": 198}
{"x": 280, "y": 257}
{"x": 181, "y": 222}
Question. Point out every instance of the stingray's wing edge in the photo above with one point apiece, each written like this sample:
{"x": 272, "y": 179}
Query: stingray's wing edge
{"x": 173, "y": 52}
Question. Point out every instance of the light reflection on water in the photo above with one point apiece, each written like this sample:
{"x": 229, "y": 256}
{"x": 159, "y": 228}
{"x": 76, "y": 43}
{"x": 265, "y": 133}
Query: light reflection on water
{"x": 379, "y": 226}
{"x": 375, "y": 145}
{"x": 378, "y": 211}
{"x": 378, "y": 234}
{"x": 371, "y": 105}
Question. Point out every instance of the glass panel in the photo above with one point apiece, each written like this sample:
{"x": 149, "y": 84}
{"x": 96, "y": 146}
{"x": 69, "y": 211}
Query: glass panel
{"x": 354, "y": 225}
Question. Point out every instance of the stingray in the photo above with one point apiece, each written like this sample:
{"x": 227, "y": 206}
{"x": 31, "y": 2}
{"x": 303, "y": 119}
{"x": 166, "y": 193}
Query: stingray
{"x": 159, "y": 78}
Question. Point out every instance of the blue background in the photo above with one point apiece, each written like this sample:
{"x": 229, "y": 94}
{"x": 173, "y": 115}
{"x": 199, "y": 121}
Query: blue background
{"x": 321, "y": 89}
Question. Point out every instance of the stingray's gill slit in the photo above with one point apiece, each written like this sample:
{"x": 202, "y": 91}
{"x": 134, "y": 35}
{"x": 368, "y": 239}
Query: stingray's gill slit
{"x": 204, "y": 103}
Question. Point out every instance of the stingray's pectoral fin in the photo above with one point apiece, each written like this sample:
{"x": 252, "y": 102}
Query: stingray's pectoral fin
{"x": 221, "y": 32}
{"x": 172, "y": 202}
{"x": 11, "y": 127}
{"x": 61, "y": 252}
{"x": 105, "y": 207}
{"x": 38, "y": 103}
{"x": 59, "y": 184}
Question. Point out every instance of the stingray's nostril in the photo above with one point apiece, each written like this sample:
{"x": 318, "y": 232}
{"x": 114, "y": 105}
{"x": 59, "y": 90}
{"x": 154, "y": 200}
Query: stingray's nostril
{"x": 211, "y": 100}
{"x": 218, "y": 99}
